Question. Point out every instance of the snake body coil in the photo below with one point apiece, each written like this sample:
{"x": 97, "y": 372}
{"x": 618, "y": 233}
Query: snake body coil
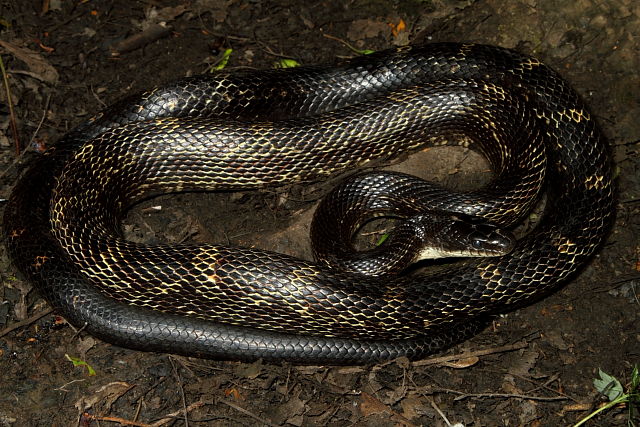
{"x": 259, "y": 128}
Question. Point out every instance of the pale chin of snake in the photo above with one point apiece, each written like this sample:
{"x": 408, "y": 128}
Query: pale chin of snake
{"x": 61, "y": 221}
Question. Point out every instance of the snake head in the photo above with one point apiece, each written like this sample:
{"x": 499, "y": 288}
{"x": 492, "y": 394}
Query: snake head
{"x": 458, "y": 235}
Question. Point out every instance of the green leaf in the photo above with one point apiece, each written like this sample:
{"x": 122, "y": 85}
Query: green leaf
{"x": 78, "y": 362}
{"x": 382, "y": 238}
{"x": 635, "y": 379}
{"x": 608, "y": 385}
{"x": 286, "y": 63}
{"x": 224, "y": 60}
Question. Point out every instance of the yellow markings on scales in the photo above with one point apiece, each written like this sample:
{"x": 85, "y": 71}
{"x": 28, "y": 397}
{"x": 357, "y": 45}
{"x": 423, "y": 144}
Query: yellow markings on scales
{"x": 214, "y": 278}
{"x": 39, "y": 261}
{"x": 595, "y": 182}
{"x": 530, "y": 64}
{"x": 490, "y": 271}
{"x": 466, "y": 47}
{"x": 575, "y": 115}
{"x": 167, "y": 123}
{"x": 566, "y": 246}
{"x": 17, "y": 232}
{"x": 498, "y": 91}
{"x": 172, "y": 104}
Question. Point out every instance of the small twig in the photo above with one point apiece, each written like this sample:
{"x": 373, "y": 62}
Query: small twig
{"x": 248, "y": 413}
{"x": 95, "y": 95}
{"x": 77, "y": 331}
{"x": 462, "y": 395}
{"x": 62, "y": 387}
{"x": 270, "y": 51}
{"x": 29, "y": 74}
{"x": 86, "y": 417}
{"x": 344, "y": 42}
{"x": 469, "y": 354}
{"x": 545, "y": 385}
{"x": 164, "y": 420}
{"x": 44, "y": 115}
{"x": 12, "y": 113}
{"x": 25, "y": 322}
{"x": 184, "y": 399}
{"x": 141, "y": 39}
{"x": 172, "y": 416}
{"x": 435, "y": 406}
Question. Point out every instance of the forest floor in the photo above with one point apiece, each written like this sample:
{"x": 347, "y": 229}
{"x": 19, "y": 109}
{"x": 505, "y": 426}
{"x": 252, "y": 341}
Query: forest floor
{"x": 535, "y": 366}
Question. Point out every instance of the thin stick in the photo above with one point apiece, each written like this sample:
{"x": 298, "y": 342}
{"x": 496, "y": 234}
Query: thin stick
{"x": 184, "y": 399}
{"x": 25, "y": 322}
{"x": 12, "y": 114}
{"x": 164, "y": 420}
{"x": 44, "y": 115}
{"x": 89, "y": 417}
{"x": 469, "y": 354}
{"x": 172, "y": 416}
{"x": 462, "y": 395}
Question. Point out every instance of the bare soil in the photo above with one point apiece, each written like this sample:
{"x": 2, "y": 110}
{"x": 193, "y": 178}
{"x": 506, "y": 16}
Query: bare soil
{"x": 62, "y": 70}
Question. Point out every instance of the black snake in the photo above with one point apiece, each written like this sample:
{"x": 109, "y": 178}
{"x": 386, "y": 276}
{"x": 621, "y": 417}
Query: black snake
{"x": 258, "y": 128}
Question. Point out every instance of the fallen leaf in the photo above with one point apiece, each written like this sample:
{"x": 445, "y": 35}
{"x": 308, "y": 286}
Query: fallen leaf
{"x": 411, "y": 405}
{"x": 108, "y": 393}
{"x": 218, "y": 9}
{"x": 85, "y": 344}
{"x": 397, "y": 28}
{"x": 34, "y": 61}
{"x": 250, "y": 370}
{"x": 462, "y": 363}
{"x": 295, "y": 408}
{"x": 524, "y": 363}
{"x": 366, "y": 28}
{"x": 163, "y": 15}
{"x": 369, "y": 405}
{"x": 79, "y": 362}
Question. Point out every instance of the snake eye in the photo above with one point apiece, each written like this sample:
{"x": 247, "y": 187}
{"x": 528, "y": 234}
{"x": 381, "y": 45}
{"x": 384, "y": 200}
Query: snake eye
{"x": 477, "y": 242}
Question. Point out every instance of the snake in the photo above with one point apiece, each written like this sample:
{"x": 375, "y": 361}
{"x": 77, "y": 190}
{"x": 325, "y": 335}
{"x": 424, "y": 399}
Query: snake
{"x": 250, "y": 129}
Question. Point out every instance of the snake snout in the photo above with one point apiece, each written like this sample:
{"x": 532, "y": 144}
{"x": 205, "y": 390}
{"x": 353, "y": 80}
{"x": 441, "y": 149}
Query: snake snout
{"x": 492, "y": 240}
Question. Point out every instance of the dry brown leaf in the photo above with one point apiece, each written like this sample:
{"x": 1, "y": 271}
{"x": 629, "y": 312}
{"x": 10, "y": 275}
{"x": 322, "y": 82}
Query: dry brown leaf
{"x": 524, "y": 363}
{"x": 350, "y": 370}
{"x": 366, "y": 28}
{"x": 250, "y": 370}
{"x": 83, "y": 345}
{"x": 218, "y": 9}
{"x": 292, "y": 411}
{"x": 154, "y": 16}
{"x": 369, "y": 405}
{"x": 410, "y": 406}
{"x": 296, "y": 409}
{"x": 108, "y": 393}
{"x": 21, "y": 308}
{"x": 395, "y": 395}
{"x": 462, "y": 363}
{"x": 34, "y": 61}
{"x": 509, "y": 385}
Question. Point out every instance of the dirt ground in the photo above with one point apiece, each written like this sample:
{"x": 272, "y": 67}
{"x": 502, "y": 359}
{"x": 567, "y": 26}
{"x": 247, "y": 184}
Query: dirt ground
{"x": 534, "y": 367}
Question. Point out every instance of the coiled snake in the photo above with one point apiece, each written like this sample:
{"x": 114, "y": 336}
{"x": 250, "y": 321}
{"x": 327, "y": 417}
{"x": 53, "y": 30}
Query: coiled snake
{"x": 258, "y": 128}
